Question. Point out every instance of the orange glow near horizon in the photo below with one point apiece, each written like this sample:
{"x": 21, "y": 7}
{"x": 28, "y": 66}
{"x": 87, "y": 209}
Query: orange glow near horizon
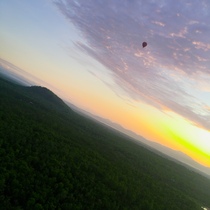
{"x": 171, "y": 130}
{"x": 168, "y": 129}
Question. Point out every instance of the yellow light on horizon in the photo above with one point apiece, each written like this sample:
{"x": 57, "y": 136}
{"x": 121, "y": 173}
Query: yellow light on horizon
{"x": 191, "y": 139}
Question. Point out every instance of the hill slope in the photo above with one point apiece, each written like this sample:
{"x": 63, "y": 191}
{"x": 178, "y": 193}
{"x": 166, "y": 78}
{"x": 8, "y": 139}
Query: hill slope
{"x": 53, "y": 158}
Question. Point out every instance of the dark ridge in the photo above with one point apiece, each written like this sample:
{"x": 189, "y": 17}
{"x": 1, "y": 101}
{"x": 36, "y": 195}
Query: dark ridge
{"x": 46, "y": 97}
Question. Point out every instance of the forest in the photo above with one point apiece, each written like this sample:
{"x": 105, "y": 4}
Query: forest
{"x": 53, "y": 158}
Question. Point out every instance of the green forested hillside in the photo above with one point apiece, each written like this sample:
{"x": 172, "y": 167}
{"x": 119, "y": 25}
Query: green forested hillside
{"x": 53, "y": 158}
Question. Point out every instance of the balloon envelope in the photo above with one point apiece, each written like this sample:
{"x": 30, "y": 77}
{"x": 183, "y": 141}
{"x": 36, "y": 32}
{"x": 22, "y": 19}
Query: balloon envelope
{"x": 144, "y": 44}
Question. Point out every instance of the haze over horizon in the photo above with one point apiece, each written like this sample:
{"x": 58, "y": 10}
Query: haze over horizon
{"x": 90, "y": 53}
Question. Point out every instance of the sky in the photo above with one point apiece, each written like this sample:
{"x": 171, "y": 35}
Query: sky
{"x": 90, "y": 53}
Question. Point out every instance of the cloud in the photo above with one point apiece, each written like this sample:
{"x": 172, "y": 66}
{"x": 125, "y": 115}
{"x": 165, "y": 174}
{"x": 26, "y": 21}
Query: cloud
{"x": 178, "y": 48}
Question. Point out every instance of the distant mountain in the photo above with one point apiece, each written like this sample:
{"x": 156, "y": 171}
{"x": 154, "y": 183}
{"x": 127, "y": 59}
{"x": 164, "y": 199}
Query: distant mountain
{"x": 10, "y": 74}
{"x": 176, "y": 156}
{"x": 18, "y": 75}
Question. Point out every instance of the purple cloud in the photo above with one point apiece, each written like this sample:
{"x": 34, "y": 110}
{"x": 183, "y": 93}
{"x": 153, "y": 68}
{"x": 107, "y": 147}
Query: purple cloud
{"x": 161, "y": 74}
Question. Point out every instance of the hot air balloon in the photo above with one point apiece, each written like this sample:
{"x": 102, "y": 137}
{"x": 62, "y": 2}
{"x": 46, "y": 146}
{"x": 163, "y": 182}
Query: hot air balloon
{"x": 144, "y": 44}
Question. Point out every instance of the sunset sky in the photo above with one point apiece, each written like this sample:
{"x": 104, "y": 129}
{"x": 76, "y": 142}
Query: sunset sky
{"x": 90, "y": 53}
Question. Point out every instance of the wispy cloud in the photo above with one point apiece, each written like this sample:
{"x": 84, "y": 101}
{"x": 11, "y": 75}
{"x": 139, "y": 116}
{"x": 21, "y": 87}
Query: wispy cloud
{"x": 178, "y": 49}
